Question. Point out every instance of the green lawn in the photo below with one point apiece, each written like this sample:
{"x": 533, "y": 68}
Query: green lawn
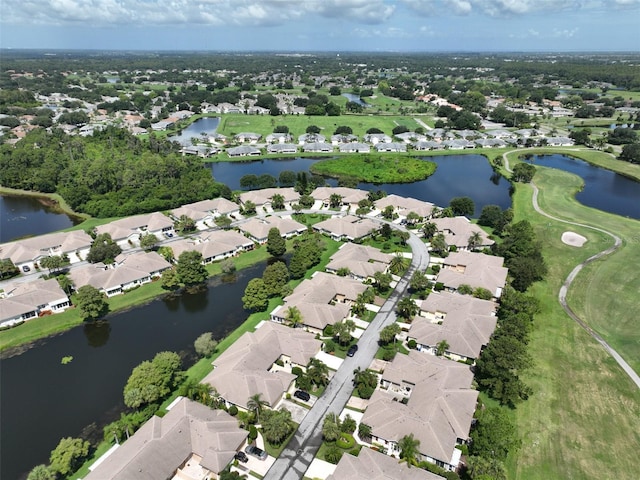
{"x": 583, "y": 419}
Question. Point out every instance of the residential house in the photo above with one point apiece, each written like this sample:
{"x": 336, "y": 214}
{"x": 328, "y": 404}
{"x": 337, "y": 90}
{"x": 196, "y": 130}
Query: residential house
{"x": 128, "y": 230}
{"x": 428, "y": 397}
{"x": 350, "y": 196}
{"x": 373, "y": 465}
{"x": 343, "y": 138}
{"x": 322, "y": 300}
{"x": 427, "y": 145}
{"x": 348, "y": 227}
{"x": 229, "y": 108}
{"x": 279, "y": 138}
{"x": 409, "y": 137}
{"x": 247, "y": 137}
{"x": 375, "y": 138}
{"x": 243, "y": 151}
{"x": 402, "y": 206}
{"x": 128, "y": 271}
{"x": 213, "y": 246}
{"x": 23, "y": 301}
{"x": 248, "y": 367}
{"x": 459, "y": 230}
{"x": 204, "y": 212}
{"x": 192, "y": 441}
{"x": 394, "y": 147}
{"x": 457, "y": 144}
{"x": 27, "y": 253}
{"x": 362, "y": 261}
{"x": 311, "y": 138}
{"x": 282, "y": 148}
{"x": 490, "y": 143}
{"x": 464, "y": 322}
{"x": 317, "y": 147}
{"x": 475, "y": 270}
{"x": 258, "y": 229}
{"x": 262, "y": 198}
{"x": 355, "y": 147}
{"x": 559, "y": 141}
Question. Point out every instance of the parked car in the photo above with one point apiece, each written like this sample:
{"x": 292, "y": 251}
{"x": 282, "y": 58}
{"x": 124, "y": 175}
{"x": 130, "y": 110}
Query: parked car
{"x": 26, "y": 268}
{"x": 302, "y": 395}
{"x": 352, "y": 350}
{"x": 256, "y": 452}
{"x": 241, "y": 457}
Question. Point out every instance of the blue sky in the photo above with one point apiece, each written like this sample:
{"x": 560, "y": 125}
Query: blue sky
{"x": 323, "y": 25}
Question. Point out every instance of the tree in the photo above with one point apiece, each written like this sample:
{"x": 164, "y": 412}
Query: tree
{"x": 190, "y": 270}
{"x": 429, "y": 230}
{"x": 438, "y": 244}
{"x": 399, "y": 264}
{"x": 275, "y": 277}
{"x": 205, "y": 345}
{"x": 256, "y": 297}
{"x": 441, "y": 347}
{"x": 184, "y": 224}
{"x": 523, "y": 172}
{"x": 41, "y": 472}
{"x": 248, "y": 208}
{"x": 170, "y": 280}
{"x": 631, "y": 153}
{"x": 54, "y": 262}
{"x": 148, "y": 241}
{"x": 277, "y": 425}
{"x": 475, "y": 240}
{"x": 256, "y": 404}
{"x": 91, "y": 302}
{"x": 342, "y": 330}
{"x": 388, "y": 333}
{"x": 386, "y": 231}
{"x": 388, "y": 212}
{"x": 103, "y": 249}
{"x": 364, "y": 431}
{"x": 331, "y": 427}
{"x": 276, "y": 245}
{"x": 8, "y": 269}
{"x": 409, "y": 449}
{"x": 287, "y": 178}
{"x": 153, "y": 380}
{"x": 223, "y": 221}
{"x": 494, "y": 434}
{"x": 277, "y": 201}
{"x": 462, "y": 206}
{"x": 335, "y": 200}
{"x": 365, "y": 382}
{"x": 333, "y": 453}
{"x": 194, "y": 390}
{"x": 293, "y": 316}
{"x": 318, "y": 372}
{"x": 231, "y": 476}
{"x": 68, "y": 455}
{"x": 407, "y": 308}
{"x": 382, "y": 281}
{"x": 419, "y": 282}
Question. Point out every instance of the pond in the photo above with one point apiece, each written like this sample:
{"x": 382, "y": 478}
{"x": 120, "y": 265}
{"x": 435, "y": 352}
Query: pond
{"x": 206, "y": 125}
{"x": 22, "y": 216}
{"x": 43, "y": 400}
{"x": 603, "y": 189}
{"x": 355, "y": 99}
{"x": 455, "y": 176}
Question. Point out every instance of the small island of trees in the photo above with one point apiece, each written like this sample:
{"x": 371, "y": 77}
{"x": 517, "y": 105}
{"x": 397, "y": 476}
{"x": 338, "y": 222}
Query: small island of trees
{"x": 375, "y": 169}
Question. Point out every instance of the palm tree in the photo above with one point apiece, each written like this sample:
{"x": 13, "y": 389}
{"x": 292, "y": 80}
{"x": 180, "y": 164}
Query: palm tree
{"x": 277, "y": 202}
{"x": 475, "y": 240}
{"x": 409, "y": 449}
{"x": 318, "y": 372}
{"x": 293, "y": 316}
{"x": 398, "y": 264}
{"x": 388, "y": 333}
{"x": 343, "y": 330}
{"x": 335, "y": 200}
{"x": 65, "y": 283}
{"x": 441, "y": 347}
{"x": 277, "y": 426}
{"x": 256, "y": 404}
{"x": 407, "y": 308}
{"x": 429, "y": 230}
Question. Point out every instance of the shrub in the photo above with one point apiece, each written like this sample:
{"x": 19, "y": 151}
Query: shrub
{"x": 388, "y": 354}
{"x": 346, "y": 441}
{"x": 329, "y": 346}
{"x": 297, "y": 371}
{"x": 328, "y": 331}
{"x": 412, "y": 344}
{"x": 253, "y": 433}
{"x": 438, "y": 287}
{"x": 233, "y": 410}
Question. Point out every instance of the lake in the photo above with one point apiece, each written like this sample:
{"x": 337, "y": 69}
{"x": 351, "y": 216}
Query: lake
{"x": 603, "y": 189}
{"x": 22, "y": 216}
{"x": 355, "y": 99}
{"x": 455, "y": 176}
{"x": 206, "y": 125}
{"x": 42, "y": 400}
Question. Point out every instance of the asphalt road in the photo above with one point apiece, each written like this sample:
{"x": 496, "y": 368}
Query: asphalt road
{"x": 295, "y": 459}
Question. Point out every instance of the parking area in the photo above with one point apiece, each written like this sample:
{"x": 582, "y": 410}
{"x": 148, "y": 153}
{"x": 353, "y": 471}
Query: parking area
{"x": 298, "y": 412}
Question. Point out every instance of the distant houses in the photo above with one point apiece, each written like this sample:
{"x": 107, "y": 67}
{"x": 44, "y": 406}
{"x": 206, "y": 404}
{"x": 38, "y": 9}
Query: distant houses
{"x": 25, "y": 301}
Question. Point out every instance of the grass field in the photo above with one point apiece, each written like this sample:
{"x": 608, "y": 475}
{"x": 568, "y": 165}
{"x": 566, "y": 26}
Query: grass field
{"x": 583, "y": 420}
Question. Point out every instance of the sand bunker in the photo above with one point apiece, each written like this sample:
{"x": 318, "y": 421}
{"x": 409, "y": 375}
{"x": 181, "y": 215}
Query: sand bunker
{"x": 573, "y": 239}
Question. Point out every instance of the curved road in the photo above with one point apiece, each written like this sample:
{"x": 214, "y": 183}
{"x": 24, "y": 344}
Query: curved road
{"x": 562, "y": 295}
{"x": 295, "y": 459}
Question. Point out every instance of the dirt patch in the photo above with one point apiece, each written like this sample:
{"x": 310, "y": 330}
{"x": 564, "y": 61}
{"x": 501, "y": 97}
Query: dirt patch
{"x": 573, "y": 239}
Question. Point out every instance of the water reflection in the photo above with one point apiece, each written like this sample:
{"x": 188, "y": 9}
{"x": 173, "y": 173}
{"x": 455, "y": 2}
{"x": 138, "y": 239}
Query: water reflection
{"x": 97, "y": 333}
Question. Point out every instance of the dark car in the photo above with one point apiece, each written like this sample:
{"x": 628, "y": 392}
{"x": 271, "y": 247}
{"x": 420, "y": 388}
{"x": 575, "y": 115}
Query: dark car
{"x": 26, "y": 268}
{"x": 352, "y": 350}
{"x": 256, "y": 452}
{"x": 302, "y": 395}
{"x": 241, "y": 457}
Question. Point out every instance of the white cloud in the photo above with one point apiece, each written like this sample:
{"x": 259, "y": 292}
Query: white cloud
{"x": 176, "y": 12}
